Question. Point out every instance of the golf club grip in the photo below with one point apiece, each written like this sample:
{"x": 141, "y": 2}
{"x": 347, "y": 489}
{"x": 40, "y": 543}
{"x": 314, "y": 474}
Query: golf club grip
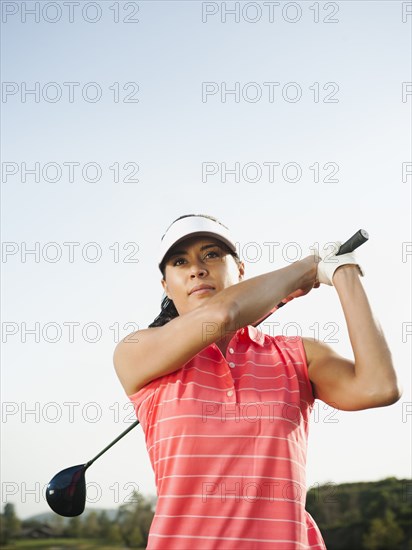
{"x": 350, "y": 245}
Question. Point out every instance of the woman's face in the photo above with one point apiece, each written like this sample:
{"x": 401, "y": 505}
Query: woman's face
{"x": 198, "y": 261}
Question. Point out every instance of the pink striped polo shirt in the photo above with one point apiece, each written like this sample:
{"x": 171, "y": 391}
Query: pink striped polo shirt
{"x": 227, "y": 438}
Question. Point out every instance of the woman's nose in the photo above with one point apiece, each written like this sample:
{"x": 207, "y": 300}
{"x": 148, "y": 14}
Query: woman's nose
{"x": 199, "y": 269}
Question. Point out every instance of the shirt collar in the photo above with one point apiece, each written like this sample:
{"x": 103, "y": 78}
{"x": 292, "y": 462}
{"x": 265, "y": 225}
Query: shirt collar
{"x": 250, "y": 332}
{"x": 246, "y": 335}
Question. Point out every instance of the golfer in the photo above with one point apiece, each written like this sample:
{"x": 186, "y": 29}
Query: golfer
{"x": 224, "y": 407}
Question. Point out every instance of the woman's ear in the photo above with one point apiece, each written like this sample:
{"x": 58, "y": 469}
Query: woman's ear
{"x": 165, "y": 288}
{"x": 164, "y": 285}
{"x": 241, "y": 270}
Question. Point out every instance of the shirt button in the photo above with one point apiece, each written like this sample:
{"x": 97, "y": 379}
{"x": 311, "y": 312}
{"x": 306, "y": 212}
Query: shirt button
{"x": 229, "y": 393}
{"x": 231, "y": 350}
{"x": 231, "y": 365}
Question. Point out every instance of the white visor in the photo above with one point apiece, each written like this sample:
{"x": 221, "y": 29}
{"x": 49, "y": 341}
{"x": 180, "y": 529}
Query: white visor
{"x": 191, "y": 226}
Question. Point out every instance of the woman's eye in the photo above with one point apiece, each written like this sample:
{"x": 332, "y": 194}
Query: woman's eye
{"x": 211, "y": 254}
{"x": 178, "y": 260}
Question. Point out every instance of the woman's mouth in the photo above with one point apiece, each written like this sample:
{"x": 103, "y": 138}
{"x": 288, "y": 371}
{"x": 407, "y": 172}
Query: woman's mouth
{"x": 202, "y": 291}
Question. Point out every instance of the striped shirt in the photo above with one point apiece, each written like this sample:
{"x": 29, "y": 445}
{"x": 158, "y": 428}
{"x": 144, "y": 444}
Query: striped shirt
{"x": 227, "y": 438}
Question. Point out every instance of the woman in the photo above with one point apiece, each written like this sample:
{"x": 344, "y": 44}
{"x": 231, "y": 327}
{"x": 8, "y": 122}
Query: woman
{"x": 225, "y": 408}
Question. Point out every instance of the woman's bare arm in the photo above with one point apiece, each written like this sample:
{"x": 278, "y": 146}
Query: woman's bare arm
{"x": 150, "y": 353}
{"x": 370, "y": 381}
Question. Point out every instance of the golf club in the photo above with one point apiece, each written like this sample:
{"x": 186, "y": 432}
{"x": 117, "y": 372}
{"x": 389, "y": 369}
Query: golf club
{"x": 350, "y": 245}
{"x": 66, "y": 492}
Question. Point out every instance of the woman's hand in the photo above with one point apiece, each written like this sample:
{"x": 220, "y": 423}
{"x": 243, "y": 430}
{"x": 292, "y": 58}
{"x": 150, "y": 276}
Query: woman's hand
{"x": 330, "y": 263}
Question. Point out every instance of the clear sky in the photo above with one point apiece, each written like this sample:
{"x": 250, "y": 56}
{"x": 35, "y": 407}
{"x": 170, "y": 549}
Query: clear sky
{"x": 289, "y": 121}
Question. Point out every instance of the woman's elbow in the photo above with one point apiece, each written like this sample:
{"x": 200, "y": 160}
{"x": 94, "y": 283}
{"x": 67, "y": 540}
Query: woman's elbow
{"x": 395, "y": 395}
{"x": 388, "y": 397}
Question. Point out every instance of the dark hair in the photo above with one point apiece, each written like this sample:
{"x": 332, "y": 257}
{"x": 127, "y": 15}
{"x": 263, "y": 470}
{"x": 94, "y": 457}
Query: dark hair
{"x": 168, "y": 310}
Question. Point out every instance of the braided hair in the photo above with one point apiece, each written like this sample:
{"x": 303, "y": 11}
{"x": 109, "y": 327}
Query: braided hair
{"x": 168, "y": 310}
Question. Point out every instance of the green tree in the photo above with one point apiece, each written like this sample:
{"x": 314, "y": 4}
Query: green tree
{"x": 74, "y": 528}
{"x": 134, "y": 520}
{"x": 104, "y": 525}
{"x": 3, "y": 533}
{"x": 384, "y": 533}
{"x": 114, "y": 534}
{"x": 91, "y": 527}
{"x": 10, "y": 524}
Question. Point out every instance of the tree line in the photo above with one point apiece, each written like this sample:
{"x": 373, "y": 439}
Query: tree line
{"x": 129, "y": 528}
{"x": 366, "y": 516}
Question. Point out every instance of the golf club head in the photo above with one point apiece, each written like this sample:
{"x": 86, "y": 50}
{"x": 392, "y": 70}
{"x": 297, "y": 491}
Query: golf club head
{"x": 66, "y": 492}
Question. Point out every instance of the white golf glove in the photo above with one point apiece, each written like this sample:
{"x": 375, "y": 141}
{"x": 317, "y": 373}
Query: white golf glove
{"x": 330, "y": 262}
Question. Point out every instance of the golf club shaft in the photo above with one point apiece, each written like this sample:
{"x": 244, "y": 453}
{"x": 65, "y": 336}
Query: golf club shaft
{"x": 350, "y": 245}
{"x": 112, "y": 443}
